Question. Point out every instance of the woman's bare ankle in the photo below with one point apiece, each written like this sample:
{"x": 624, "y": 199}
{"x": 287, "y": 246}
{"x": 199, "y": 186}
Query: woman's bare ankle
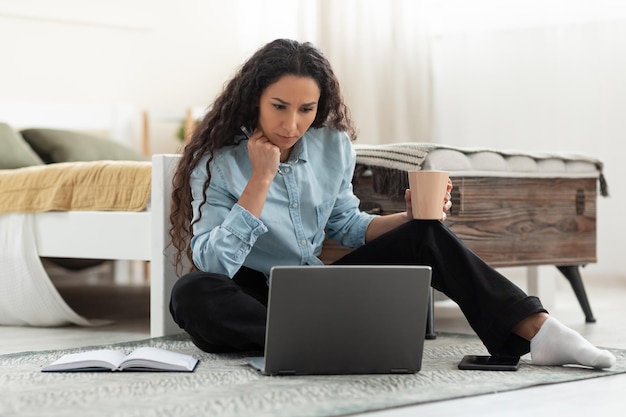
{"x": 529, "y": 327}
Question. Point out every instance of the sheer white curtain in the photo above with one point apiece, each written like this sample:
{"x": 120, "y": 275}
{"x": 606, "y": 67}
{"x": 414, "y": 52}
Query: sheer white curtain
{"x": 260, "y": 22}
{"x": 379, "y": 50}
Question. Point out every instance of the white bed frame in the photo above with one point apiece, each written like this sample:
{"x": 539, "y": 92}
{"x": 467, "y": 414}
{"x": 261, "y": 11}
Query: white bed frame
{"x": 122, "y": 235}
{"x": 139, "y": 236}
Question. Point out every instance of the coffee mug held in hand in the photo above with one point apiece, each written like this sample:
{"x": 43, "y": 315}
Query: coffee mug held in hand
{"x": 428, "y": 191}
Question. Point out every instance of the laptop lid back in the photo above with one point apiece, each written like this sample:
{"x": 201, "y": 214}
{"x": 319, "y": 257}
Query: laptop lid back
{"x": 346, "y": 319}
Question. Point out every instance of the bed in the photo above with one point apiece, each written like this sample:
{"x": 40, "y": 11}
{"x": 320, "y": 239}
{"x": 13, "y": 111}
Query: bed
{"x": 122, "y": 235}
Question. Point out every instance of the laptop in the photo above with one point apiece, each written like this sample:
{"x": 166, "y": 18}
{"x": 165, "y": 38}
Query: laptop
{"x": 345, "y": 320}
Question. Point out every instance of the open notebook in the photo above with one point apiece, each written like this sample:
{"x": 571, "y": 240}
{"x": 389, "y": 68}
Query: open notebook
{"x": 141, "y": 359}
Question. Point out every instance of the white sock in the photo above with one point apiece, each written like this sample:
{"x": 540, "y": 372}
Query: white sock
{"x": 557, "y": 344}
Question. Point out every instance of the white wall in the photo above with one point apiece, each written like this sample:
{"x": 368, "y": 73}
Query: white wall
{"x": 154, "y": 54}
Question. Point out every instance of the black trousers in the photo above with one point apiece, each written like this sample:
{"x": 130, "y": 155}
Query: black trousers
{"x": 222, "y": 314}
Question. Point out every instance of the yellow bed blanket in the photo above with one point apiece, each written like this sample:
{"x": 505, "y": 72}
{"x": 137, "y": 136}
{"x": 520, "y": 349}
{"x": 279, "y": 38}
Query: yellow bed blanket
{"x": 94, "y": 185}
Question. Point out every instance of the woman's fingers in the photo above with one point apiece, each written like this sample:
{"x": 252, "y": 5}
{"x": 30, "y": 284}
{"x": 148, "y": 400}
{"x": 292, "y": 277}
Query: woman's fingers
{"x": 264, "y": 155}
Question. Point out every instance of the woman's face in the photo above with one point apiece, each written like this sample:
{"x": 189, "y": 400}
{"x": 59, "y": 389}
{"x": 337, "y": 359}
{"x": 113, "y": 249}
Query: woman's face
{"x": 287, "y": 108}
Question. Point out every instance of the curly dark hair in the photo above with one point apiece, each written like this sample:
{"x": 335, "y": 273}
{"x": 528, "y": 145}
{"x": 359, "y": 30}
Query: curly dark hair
{"x": 238, "y": 105}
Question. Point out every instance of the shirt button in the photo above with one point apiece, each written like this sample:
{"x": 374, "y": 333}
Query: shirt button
{"x": 294, "y": 205}
{"x": 286, "y": 170}
{"x": 303, "y": 242}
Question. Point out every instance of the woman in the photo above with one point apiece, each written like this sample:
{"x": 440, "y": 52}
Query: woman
{"x": 267, "y": 177}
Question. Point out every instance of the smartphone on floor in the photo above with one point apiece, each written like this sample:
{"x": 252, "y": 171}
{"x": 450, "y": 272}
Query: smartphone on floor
{"x": 489, "y": 363}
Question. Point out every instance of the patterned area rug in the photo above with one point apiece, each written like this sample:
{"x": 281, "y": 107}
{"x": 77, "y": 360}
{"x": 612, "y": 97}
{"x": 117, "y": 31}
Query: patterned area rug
{"x": 223, "y": 385}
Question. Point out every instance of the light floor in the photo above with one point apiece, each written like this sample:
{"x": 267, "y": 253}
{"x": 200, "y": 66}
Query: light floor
{"x": 128, "y": 306}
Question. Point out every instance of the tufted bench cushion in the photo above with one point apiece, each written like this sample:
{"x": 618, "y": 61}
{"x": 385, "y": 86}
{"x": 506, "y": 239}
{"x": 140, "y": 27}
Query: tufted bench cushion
{"x": 491, "y": 163}
{"x": 390, "y": 162}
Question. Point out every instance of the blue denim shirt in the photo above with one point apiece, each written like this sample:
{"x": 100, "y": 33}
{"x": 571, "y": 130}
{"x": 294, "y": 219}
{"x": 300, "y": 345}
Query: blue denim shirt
{"x": 310, "y": 196}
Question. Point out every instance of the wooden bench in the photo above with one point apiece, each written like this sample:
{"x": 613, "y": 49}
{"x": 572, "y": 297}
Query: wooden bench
{"x": 511, "y": 208}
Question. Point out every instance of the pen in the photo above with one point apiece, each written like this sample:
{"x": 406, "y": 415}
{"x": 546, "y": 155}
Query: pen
{"x": 247, "y": 132}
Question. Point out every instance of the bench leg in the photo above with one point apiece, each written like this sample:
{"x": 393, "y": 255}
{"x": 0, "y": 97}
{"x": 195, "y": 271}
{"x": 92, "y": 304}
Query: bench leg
{"x": 572, "y": 273}
{"x": 430, "y": 317}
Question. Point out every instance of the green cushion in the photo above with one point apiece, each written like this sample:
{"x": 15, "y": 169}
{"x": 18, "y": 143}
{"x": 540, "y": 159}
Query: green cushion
{"x": 54, "y": 145}
{"x": 15, "y": 151}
